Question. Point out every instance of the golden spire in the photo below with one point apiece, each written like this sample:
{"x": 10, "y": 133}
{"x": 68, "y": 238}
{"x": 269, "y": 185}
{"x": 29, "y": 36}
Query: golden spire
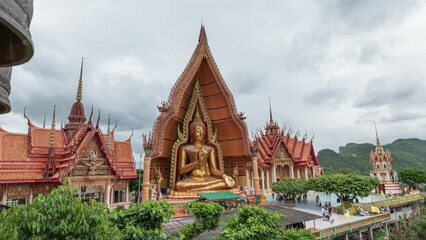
{"x": 79, "y": 96}
{"x": 377, "y": 135}
{"x": 52, "y": 129}
{"x": 108, "y": 134}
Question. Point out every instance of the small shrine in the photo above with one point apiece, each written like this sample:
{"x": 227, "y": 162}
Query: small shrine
{"x": 381, "y": 161}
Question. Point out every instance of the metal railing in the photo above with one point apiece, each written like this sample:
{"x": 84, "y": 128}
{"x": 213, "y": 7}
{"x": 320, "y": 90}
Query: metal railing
{"x": 338, "y": 230}
{"x": 393, "y": 201}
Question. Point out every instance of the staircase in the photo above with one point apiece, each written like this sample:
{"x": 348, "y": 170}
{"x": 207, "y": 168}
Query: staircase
{"x": 392, "y": 187}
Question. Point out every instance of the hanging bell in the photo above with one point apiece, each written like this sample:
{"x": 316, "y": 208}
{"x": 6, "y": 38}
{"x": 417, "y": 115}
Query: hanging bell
{"x": 16, "y": 46}
{"x": 5, "y": 74}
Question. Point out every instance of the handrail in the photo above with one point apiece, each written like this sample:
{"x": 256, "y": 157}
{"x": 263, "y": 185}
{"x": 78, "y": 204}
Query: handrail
{"x": 349, "y": 227}
{"x": 393, "y": 201}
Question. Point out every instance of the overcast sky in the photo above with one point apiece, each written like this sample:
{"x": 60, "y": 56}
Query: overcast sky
{"x": 330, "y": 67}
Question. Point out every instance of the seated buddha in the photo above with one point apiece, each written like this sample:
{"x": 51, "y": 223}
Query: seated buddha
{"x": 198, "y": 162}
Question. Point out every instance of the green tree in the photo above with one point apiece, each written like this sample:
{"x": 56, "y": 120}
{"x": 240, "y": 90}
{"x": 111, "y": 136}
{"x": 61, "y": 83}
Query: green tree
{"x": 297, "y": 234}
{"x": 346, "y": 186}
{"x": 412, "y": 177}
{"x": 207, "y": 216}
{"x": 134, "y": 183}
{"x": 291, "y": 187}
{"x": 252, "y": 223}
{"x": 59, "y": 215}
{"x": 143, "y": 221}
{"x": 419, "y": 228}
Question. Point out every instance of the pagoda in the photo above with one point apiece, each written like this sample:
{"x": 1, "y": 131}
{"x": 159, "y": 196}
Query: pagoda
{"x": 381, "y": 161}
{"x": 282, "y": 156}
{"x": 79, "y": 153}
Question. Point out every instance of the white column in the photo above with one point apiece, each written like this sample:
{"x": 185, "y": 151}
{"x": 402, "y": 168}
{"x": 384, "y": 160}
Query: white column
{"x": 291, "y": 172}
{"x": 274, "y": 173}
{"x": 306, "y": 172}
{"x": 298, "y": 172}
{"x": 314, "y": 172}
{"x": 267, "y": 180}
{"x": 263, "y": 180}
{"x": 248, "y": 184}
{"x": 107, "y": 193}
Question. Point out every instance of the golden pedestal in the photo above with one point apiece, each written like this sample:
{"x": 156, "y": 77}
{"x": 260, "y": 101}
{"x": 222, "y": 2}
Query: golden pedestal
{"x": 194, "y": 195}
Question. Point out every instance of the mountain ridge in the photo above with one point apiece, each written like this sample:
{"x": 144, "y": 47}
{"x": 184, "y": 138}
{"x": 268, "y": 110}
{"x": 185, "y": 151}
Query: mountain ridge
{"x": 355, "y": 157}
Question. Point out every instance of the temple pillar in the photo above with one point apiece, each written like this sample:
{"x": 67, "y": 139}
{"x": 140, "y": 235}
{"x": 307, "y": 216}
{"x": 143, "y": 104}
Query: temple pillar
{"x": 255, "y": 175}
{"x": 31, "y": 197}
{"x": 298, "y": 173}
{"x": 263, "y": 179}
{"x": 274, "y": 174}
{"x": 291, "y": 171}
{"x": 4, "y": 197}
{"x": 267, "y": 181}
{"x": 146, "y": 183}
{"x": 306, "y": 172}
{"x": 108, "y": 193}
{"x": 127, "y": 192}
{"x": 248, "y": 183}
{"x": 252, "y": 179}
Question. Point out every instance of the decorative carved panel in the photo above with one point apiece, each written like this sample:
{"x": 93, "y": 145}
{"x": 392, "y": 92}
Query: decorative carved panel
{"x": 43, "y": 188}
{"x": 18, "y": 190}
{"x": 120, "y": 184}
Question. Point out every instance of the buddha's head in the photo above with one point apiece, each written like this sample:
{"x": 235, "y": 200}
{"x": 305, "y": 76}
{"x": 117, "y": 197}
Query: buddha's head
{"x": 197, "y": 129}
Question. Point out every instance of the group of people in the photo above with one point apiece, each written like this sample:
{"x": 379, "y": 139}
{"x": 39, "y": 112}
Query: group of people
{"x": 327, "y": 213}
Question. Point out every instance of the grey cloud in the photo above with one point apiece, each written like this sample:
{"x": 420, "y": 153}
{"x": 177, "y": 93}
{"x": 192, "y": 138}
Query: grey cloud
{"x": 330, "y": 97}
{"x": 389, "y": 90}
{"x": 244, "y": 83}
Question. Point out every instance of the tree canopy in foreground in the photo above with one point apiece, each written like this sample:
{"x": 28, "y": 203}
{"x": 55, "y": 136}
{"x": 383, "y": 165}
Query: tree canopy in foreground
{"x": 412, "y": 177}
{"x": 59, "y": 215}
{"x": 291, "y": 187}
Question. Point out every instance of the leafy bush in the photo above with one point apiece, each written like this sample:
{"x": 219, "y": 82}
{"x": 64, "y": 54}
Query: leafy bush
{"x": 143, "y": 221}
{"x": 252, "y": 223}
{"x": 207, "y": 216}
{"x": 297, "y": 234}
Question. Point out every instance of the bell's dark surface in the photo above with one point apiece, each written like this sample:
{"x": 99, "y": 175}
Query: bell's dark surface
{"x": 16, "y": 46}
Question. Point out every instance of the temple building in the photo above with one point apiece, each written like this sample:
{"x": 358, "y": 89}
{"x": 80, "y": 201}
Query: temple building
{"x": 78, "y": 154}
{"x": 200, "y": 142}
{"x": 381, "y": 161}
{"x": 283, "y": 156}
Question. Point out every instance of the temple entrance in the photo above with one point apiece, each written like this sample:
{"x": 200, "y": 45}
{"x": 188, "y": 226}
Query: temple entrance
{"x": 283, "y": 172}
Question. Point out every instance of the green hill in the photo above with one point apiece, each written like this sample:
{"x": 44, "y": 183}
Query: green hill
{"x": 354, "y": 157}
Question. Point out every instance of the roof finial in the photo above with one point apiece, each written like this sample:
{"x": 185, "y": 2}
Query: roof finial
{"x": 52, "y": 129}
{"x": 99, "y": 118}
{"x": 91, "y": 114}
{"x": 108, "y": 137}
{"x": 270, "y": 111}
{"x": 377, "y": 135}
{"x": 44, "y": 122}
{"x": 79, "y": 96}
{"x": 203, "y": 36}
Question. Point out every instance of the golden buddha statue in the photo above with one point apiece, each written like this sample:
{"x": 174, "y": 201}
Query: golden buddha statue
{"x": 198, "y": 162}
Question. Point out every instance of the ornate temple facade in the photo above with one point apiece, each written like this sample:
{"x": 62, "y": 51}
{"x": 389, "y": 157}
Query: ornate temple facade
{"x": 381, "y": 161}
{"x": 178, "y": 165}
{"x": 283, "y": 156}
{"x": 79, "y": 153}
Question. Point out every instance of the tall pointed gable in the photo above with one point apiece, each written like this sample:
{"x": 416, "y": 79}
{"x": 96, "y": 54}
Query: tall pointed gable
{"x": 232, "y": 134}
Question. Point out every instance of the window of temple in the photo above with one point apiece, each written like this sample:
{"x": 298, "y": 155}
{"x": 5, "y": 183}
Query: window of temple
{"x": 90, "y": 193}
{"x": 17, "y": 201}
{"x": 119, "y": 196}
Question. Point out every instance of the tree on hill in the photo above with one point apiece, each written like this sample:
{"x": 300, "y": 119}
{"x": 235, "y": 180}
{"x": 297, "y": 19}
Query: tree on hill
{"x": 291, "y": 187}
{"x": 59, "y": 215}
{"x": 346, "y": 186}
{"x": 412, "y": 177}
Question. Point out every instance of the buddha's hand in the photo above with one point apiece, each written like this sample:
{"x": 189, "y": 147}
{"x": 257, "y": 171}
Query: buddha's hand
{"x": 229, "y": 181}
